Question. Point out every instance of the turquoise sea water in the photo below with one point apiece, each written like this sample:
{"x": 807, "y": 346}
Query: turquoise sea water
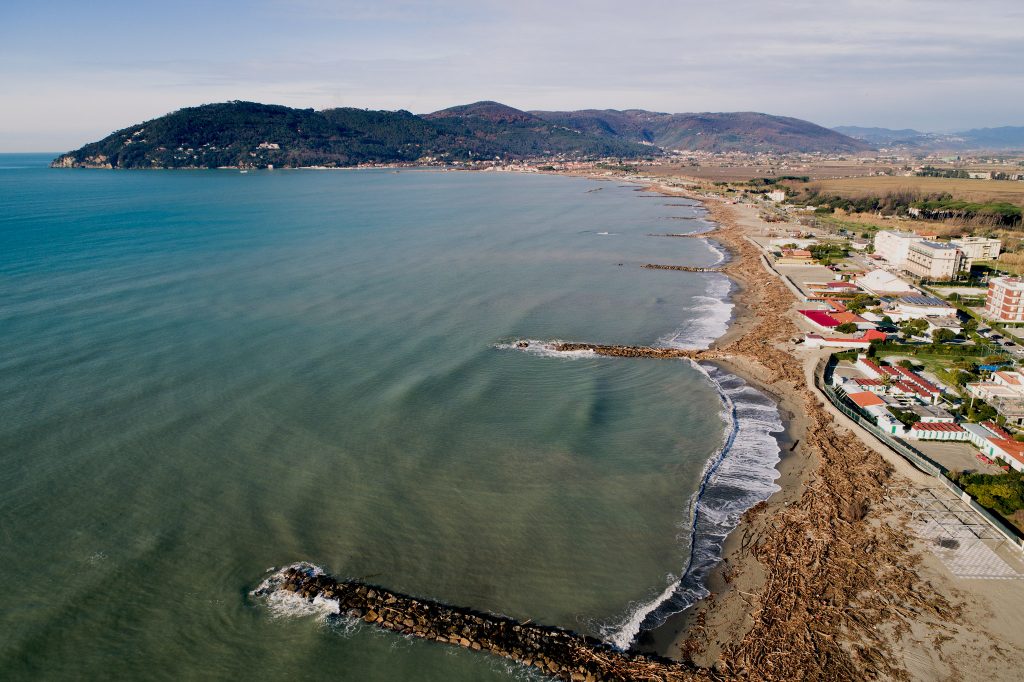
{"x": 206, "y": 374}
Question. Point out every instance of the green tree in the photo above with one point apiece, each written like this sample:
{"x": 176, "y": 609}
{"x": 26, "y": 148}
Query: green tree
{"x": 846, "y": 328}
{"x": 943, "y": 335}
{"x": 914, "y": 327}
{"x": 860, "y": 303}
{"x": 971, "y": 325}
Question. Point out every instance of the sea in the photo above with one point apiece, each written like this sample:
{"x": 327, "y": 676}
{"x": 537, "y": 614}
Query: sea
{"x": 208, "y": 375}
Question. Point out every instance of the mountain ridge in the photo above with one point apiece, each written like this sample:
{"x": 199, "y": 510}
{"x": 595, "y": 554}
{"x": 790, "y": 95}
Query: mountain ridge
{"x": 250, "y": 134}
{"x": 1000, "y": 138}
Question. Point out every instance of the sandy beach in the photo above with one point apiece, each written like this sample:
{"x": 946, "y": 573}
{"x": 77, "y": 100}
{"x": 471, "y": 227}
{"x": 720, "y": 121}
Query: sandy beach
{"x": 826, "y": 580}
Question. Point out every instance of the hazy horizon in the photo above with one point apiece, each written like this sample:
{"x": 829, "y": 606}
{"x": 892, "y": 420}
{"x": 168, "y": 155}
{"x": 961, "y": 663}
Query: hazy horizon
{"x": 75, "y": 74}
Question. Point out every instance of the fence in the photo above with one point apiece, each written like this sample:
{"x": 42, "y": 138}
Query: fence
{"x": 912, "y": 455}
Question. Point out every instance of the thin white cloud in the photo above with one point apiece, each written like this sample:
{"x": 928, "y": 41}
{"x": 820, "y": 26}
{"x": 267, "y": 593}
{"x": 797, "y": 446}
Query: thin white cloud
{"x": 931, "y": 64}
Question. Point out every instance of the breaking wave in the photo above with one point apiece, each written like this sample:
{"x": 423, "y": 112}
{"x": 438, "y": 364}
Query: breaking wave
{"x": 711, "y": 316}
{"x": 284, "y": 604}
{"x": 741, "y": 474}
{"x": 544, "y": 349}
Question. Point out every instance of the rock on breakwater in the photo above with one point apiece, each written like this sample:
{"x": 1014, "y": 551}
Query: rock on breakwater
{"x": 635, "y": 351}
{"x": 680, "y": 268}
{"x": 684, "y": 235}
{"x": 557, "y": 652}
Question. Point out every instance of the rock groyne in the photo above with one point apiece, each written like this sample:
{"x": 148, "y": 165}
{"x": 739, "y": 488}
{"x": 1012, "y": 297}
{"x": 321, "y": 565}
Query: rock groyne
{"x": 684, "y": 235}
{"x": 557, "y": 652}
{"x": 636, "y": 351}
{"x": 680, "y": 268}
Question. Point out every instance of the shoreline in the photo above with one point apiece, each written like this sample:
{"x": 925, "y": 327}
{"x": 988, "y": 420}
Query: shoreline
{"x": 668, "y": 638}
{"x": 787, "y": 593}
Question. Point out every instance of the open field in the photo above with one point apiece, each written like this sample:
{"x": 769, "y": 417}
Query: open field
{"x": 712, "y": 171}
{"x": 983, "y": 191}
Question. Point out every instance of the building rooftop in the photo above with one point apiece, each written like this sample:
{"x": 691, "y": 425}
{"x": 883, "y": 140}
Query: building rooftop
{"x": 1011, "y": 378}
{"x": 865, "y": 399}
{"x": 1009, "y": 282}
{"x": 996, "y": 429}
{"x": 1010, "y": 447}
{"x": 938, "y": 426}
{"x": 933, "y": 245}
{"x": 923, "y": 300}
{"x": 820, "y": 317}
{"x": 930, "y": 411}
{"x": 846, "y": 316}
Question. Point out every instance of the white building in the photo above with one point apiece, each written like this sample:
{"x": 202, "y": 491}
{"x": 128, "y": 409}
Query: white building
{"x": 882, "y": 283}
{"x": 952, "y": 323}
{"x": 937, "y": 431}
{"x": 914, "y": 307}
{"x": 935, "y": 261}
{"x": 1003, "y": 301}
{"x": 894, "y": 246}
{"x": 979, "y": 248}
{"x": 776, "y": 195}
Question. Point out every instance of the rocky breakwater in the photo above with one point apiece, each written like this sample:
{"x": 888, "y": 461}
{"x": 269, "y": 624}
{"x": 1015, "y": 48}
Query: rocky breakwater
{"x": 680, "y": 268}
{"x": 637, "y": 351}
{"x": 553, "y": 651}
{"x": 684, "y": 235}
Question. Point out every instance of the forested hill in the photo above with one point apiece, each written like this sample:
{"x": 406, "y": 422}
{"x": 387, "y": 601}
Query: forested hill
{"x": 744, "y": 131}
{"x": 247, "y": 134}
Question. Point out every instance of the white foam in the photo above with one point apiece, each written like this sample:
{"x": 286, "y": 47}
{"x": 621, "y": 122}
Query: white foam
{"x": 739, "y": 475}
{"x": 547, "y": 349}
{"x": 710, "y": 319}
{"x": 285, "y": 604}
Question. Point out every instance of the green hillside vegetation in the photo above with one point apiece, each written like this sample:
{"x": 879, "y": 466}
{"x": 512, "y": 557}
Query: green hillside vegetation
{"x": 247, "y": 134}
{"x": 744, "y": 131}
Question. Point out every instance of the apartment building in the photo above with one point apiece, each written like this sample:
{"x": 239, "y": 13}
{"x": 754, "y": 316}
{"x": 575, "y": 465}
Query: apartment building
{"x": 935, "y": 261}
{"x": 1003, "y": 302}
{"x": 894, "y": 246}
{"x": 979, "y": 248}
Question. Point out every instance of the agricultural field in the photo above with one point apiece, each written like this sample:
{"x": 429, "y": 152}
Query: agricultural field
{"x": 736, "y": 172}
{"x": 981, "y": 191}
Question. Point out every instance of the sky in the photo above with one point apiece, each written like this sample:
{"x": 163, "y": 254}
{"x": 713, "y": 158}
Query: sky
{"x": 72, "y": 72}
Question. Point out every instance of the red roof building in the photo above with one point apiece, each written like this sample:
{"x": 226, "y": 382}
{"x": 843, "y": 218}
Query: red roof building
{"x": 865, "y": 399}
{"x": 820, "y": 318}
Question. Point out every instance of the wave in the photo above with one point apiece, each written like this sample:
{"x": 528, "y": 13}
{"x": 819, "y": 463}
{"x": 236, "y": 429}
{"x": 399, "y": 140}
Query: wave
{"x": 740, "y": 474}
{"x": 285, "y": 604}
{"x": 711, "y": 316}
{"x": 545, "y": 349}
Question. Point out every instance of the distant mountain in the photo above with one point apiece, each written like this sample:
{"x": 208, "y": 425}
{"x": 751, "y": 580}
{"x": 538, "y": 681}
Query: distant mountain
{"x": 978, "y": 139}
{"x": 1005, "y": 137}
{"x": 248, "y": 134}
{"x": 879, "y": 136}
{"x": 711, "y": 132}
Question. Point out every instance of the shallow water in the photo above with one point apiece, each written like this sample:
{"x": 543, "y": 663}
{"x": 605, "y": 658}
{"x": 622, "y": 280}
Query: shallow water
{"x": 205, "y": 374}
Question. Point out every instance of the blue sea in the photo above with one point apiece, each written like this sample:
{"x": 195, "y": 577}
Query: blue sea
{"x": 205, "y": 375}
